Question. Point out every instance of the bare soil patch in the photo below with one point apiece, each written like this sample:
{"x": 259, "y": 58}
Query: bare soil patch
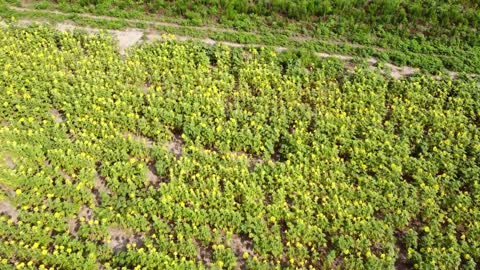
{"x": 66, "y": 175}
{"x": 154, "y": 36}
{"x": 73, "y": 225}
{"x": 209, "y": 41}
{"x": 204, "y": 253}
{"x": 9, "y": 162}
{"x": 152, "y": 176}
{"x": 121, "y": 237}
{"x": 6, "y": 208}
{"x": 26, "y": 22}
{"x": 399, "y": 72}
{"x": 127, "y": 38}
{"x": 59, "y": 117}
{"x": 338, "y": 56}
{"x": 175, "y": 146}
{"x": 86, "y": 213}
{"x": 100, "y": 184}
{"x": 241, "y": 246}
{"x": 402, "y": 262}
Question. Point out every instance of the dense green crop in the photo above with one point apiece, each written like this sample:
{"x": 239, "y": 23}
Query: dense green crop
{"x": 179, "y": 155}
{"x": 429, "y": 12}
{"x": 433, "y": 35}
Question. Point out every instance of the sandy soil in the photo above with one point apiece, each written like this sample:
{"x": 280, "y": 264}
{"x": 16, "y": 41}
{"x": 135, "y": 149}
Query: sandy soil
{"x": 175, "y": 146}
{"x": 121, "y": 237}
{"x": 127, "y": 38}
{"x": 6, "y": 208}
{"x": 59, "y": 118}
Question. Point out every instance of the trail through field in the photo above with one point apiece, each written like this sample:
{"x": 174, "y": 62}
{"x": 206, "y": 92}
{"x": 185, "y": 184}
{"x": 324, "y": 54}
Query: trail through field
{"x": 129, "y": 37}
{"x": 133, "y": 36}
{"x": 176, "y": 25}
{"x": 153, "y": 22}
{"x": 110, "y": 18}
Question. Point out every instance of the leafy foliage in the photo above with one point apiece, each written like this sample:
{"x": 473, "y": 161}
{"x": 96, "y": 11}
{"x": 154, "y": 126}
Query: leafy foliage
{"x": 180, "y": 155}
{"x": 356, "y": 28}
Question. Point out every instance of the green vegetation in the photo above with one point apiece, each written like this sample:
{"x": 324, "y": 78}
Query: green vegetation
{"x": 432, "y": 35}
{"x": 185, "y": 156}
{"x": 436, "y": 16}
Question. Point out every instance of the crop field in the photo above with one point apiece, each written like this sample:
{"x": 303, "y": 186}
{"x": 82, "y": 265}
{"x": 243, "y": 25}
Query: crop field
{"x": 178, "y": 154}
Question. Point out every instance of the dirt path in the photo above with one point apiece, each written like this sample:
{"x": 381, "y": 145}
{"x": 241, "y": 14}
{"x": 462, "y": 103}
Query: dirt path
{"x": 130, "y": 37}
{"x": 176, "y": 25}
{"x": 133, "y": 36}
{"x": 110, "y": 18}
